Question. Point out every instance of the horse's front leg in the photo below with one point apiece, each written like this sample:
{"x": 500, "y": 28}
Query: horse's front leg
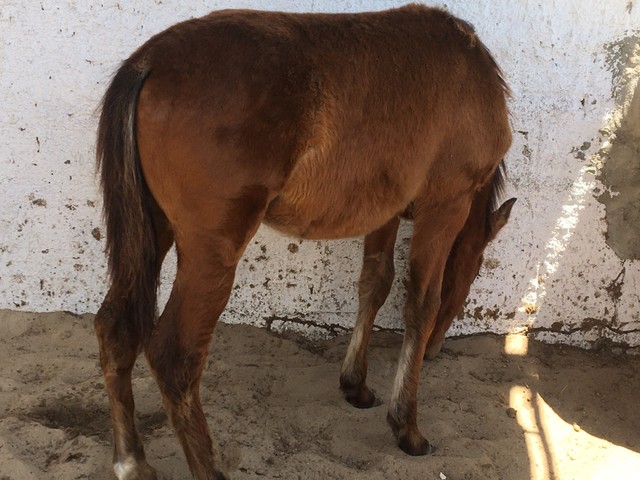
{"x": 435, "y": 229}
{"x": 373, "y": 288}
{"x": 465, "y": 260}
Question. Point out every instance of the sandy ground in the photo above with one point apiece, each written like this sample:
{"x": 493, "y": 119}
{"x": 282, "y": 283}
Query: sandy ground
{"x": 277, "y": 411}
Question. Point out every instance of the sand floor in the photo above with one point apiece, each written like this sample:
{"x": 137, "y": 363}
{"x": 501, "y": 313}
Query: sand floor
{"x": 273, "y": 402}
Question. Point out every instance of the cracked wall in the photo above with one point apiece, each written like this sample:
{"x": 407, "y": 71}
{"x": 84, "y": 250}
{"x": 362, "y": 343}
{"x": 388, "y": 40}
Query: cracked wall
{"x": 565, "y": 269}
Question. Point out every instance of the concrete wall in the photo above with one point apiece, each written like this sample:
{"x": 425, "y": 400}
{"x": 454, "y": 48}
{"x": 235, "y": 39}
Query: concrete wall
{"x": 565, "y": 267}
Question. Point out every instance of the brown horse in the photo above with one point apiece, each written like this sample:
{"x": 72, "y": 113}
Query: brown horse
{"x": 322, "y": 126}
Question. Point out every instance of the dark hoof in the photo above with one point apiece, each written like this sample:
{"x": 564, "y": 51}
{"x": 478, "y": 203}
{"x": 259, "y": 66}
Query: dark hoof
{"x": 410, "y": 440}
{"x": 415, "y": 445}
{"x": 433, "y": 350}
{"x": 360, "y": 397}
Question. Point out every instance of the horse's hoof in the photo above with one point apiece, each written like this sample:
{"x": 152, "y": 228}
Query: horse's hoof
{"x": 360, "y": 397}
{"x": 410, "y": 440}
{"x": 433, "y": 350}
{"x": 415, "y": 445}
{"x": 217, "y": 475}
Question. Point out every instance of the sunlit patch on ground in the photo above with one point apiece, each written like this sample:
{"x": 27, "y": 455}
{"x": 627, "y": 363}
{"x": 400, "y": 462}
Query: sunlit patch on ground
{"x": 561, "y": 450}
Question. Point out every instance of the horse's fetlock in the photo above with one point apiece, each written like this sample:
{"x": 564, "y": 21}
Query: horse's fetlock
{"x": 361, "y": 397}
{"x": 393, "y": 422}
{"x": 349, "y": 380}
{"x": 134, "y": 469}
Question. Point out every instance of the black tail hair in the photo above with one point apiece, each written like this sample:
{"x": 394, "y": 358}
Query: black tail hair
{"x": 130, "y": 238}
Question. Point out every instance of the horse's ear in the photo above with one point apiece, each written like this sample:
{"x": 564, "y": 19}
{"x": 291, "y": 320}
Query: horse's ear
{"x": 500, "y": 217}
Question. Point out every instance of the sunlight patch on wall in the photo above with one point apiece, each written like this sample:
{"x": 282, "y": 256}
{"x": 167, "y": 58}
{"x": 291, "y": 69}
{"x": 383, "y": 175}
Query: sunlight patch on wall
{"x": 533, "y": 300}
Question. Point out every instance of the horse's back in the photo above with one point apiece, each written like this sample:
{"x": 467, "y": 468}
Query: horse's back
{"x": 341, "y": 117}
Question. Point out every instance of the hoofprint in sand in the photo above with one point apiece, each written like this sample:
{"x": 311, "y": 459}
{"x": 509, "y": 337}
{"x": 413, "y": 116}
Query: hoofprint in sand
{"x": 274, "y": 407}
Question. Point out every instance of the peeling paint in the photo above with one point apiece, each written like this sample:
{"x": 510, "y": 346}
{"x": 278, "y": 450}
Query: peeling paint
{"x": 40, "y": 202}
{"x": 614, "y": 289}
{"x": 620, "y": 157}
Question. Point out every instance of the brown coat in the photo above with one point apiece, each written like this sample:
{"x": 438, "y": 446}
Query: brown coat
{"x": 322, "y": 126}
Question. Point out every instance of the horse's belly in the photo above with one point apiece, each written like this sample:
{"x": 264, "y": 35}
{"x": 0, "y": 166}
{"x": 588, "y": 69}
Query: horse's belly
{"x": 326, "y": 196}
{"x": 336, "y": 215}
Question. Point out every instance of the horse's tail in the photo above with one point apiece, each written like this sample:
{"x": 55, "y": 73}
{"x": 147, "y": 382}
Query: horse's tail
{"x": 130, "y": 239}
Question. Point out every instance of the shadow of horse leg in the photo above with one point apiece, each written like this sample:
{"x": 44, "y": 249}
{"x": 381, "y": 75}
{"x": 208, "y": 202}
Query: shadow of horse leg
{"x": 435, "y": 229}
{"x": 119, "y": 348}
{"x": 375, "y": 283}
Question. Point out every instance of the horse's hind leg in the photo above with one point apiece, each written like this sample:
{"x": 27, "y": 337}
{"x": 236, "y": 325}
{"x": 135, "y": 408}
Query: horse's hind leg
{"x": 435, "y": 228}
{"x": 375, "y": 282}
{"x": 119, "y": 348}
{"x": 177, "y": 351}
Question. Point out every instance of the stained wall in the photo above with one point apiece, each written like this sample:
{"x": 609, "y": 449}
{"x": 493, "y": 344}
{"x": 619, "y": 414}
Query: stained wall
{"x": 565, "y": 269}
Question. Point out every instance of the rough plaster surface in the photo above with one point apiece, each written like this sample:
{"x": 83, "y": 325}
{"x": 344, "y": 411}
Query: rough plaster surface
{"x": 621, "y": 156}
{"x": 551, "y": 272}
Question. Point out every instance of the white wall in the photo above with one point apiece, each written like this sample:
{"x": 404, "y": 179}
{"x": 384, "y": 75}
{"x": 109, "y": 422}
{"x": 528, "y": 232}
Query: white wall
{"x": 551, "y": 263}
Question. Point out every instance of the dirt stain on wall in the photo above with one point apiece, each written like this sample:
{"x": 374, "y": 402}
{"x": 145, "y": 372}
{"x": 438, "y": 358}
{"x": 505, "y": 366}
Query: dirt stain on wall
{"x": 620, "y": 157}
